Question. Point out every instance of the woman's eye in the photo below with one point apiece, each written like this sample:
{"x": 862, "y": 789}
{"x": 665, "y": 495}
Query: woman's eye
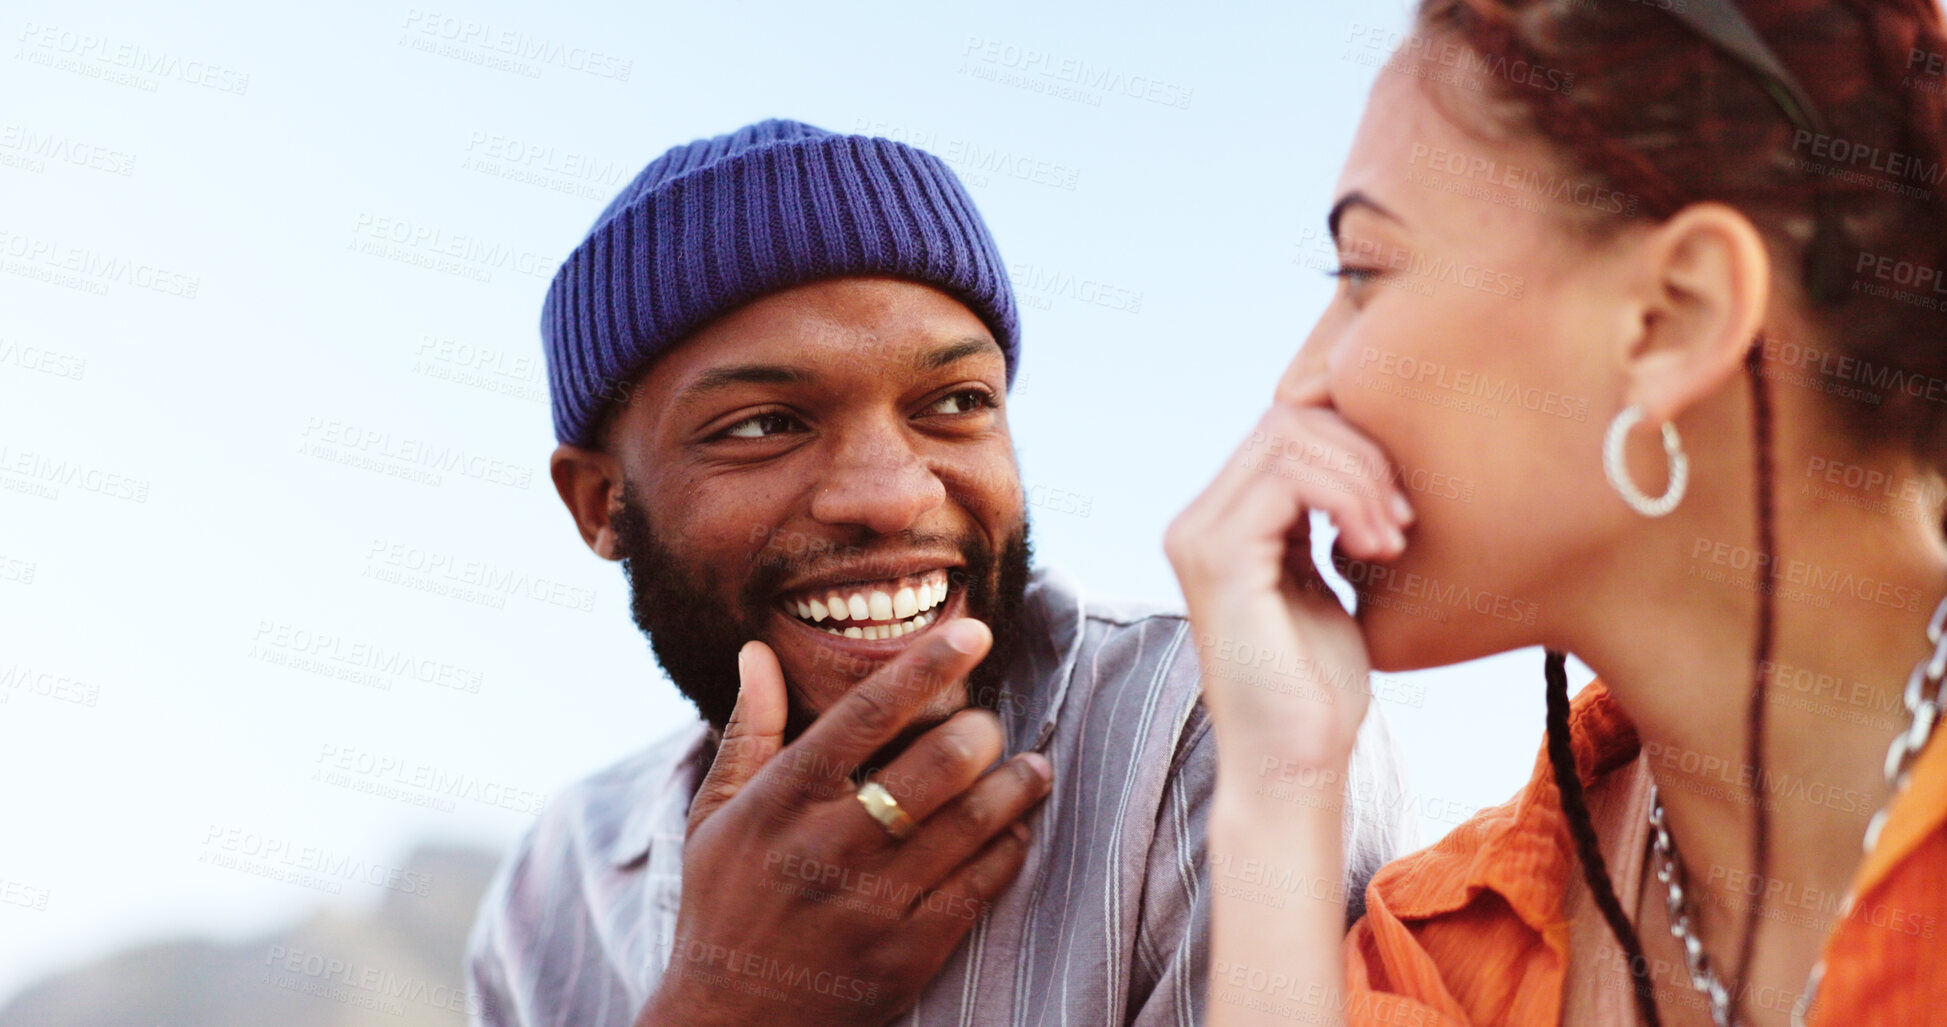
{"x": 963, "y": 402}
{"x": 761, "y": 426}
{"x": 1357, "y": 276}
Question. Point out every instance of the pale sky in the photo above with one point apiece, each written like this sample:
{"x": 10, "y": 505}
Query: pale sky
{"x": 259, "y": 258}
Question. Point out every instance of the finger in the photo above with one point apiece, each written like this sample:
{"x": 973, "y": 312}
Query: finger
{"x": 973, "y": 818}
{"x": 1323, "y": 463}
{"x": 943, "y": 762}
{"x": 876, "y": 709}
{"x": 945, "y": 913}
{"x": 754, "y": 734}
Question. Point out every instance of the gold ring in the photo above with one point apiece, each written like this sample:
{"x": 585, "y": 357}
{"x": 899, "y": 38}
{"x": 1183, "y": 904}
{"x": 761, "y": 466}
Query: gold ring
{"x": 883, "y": 808}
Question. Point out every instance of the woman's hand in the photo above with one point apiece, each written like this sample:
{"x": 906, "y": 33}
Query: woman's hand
{"x": 1284, "y": 666}
{"x": 1284, "y": 677}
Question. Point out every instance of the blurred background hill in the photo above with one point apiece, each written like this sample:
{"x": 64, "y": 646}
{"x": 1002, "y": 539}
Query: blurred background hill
{"x": 398, "y": 966}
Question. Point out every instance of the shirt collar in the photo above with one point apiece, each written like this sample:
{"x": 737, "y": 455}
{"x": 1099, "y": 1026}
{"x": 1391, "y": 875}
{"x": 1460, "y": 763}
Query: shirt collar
{"x": 1520, "y": 850}
{"x": 657, "y": 796}
{"x": 1027, "y": 700}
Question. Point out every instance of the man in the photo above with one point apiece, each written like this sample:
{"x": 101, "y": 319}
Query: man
{"x": 779, "y": 365}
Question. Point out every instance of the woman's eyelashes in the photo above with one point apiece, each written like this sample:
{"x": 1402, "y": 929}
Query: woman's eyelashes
{"x": 1354, "y": 280}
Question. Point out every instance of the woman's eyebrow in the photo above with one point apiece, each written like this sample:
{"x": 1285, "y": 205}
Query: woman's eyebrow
{"x": 1349, "y": 201}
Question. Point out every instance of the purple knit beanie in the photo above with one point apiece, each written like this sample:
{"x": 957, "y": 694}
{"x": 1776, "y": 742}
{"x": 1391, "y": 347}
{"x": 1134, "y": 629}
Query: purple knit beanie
{"x": 714, "y": 224}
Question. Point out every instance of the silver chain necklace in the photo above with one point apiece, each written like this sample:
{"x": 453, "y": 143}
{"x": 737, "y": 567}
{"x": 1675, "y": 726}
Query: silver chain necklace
{"x": 1923, "y": 703}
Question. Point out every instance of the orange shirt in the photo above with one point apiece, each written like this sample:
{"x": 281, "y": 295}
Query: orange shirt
{"x": 1471, "y": 930}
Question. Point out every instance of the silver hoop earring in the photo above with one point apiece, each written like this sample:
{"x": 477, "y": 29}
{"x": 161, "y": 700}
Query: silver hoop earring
{"x": 1618, "y": 472}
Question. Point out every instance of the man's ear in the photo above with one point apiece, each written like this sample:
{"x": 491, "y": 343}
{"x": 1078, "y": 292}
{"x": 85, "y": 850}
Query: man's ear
{"x": 590, "y": 485}
{"x": 1706, "y": 281}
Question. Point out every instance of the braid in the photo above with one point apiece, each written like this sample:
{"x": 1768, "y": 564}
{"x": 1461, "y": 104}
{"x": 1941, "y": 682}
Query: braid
{"x": 1561, "y": 758}
{"x": 1754, "y": 713}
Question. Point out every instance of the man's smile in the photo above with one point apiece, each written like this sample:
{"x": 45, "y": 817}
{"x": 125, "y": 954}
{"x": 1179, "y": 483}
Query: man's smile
{"x": 888, "y": 610}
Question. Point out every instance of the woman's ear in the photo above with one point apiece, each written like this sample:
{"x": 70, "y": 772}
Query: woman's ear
{"x": 1706, "y": 280}
{"x": 590, "y": 485}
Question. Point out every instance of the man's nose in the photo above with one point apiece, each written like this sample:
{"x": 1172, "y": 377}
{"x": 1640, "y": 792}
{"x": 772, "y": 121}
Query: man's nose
{"x": 878, "y": 482}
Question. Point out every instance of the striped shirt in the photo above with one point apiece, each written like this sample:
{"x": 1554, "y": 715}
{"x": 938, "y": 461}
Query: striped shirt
{"x": 1107, "y": 922}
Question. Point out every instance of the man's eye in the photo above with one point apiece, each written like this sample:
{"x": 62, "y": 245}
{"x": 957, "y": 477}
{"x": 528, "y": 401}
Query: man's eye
{"x": 761, "y": 426}
{"x": 962, "y": 402}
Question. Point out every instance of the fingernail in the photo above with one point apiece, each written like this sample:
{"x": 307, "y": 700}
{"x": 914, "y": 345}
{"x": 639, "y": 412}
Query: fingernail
{"x": 964, "y": 635}
{"x": 1020, "y": 831}
{"x": 1040, "y": 765}
{"x": 1402, "y": 509}
{"x": 741, "y": 650}
{"x": 1395, "y": 539}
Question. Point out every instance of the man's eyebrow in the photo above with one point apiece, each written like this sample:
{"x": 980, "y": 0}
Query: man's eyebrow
{"x": 961, "y": 350}
{"x": 744, "y": 374}
{"x": 1349, "y": 201}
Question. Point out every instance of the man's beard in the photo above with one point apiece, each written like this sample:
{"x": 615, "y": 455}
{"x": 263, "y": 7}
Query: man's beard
{"x": 696, "y": 633}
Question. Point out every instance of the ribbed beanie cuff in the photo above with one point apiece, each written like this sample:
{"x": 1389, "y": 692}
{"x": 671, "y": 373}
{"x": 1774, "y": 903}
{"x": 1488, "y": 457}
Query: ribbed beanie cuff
{"x": 715, "y": 224}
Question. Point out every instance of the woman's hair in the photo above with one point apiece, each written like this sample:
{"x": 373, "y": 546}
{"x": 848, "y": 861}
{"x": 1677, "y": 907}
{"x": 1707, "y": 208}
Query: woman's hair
{"x": 1629, "y": 99}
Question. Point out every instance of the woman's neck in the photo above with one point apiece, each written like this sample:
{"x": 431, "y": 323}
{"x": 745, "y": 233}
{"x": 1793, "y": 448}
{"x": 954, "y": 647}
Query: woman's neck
{"x": 1854, "y": 588}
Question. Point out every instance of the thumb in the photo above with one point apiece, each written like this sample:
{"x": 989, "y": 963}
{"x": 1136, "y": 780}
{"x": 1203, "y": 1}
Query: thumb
{"x": 755, "y": 732}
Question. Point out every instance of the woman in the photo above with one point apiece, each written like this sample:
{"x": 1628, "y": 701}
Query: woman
{"x": 1638, "y": 354}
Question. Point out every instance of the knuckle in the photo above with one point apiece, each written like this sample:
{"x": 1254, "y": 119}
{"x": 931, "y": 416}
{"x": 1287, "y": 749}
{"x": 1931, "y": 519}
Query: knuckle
{"x": 872, "y": 711}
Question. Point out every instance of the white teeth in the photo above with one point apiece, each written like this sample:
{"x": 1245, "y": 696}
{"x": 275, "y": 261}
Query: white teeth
{"x": 804, "y": 609}
{"x": 817, "y": 610}
{"x": 856, "y": 606}
{"x": 905, "y": 603}
{"x": 836, "y": 605}
{"x": 834, "y": 631}
{"x": 854, "y": 632}
{"x": 880, "y": 604}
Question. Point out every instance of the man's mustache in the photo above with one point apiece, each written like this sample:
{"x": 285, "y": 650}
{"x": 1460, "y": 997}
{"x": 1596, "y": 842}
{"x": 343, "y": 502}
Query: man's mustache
{"x": 790, "y": 555}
